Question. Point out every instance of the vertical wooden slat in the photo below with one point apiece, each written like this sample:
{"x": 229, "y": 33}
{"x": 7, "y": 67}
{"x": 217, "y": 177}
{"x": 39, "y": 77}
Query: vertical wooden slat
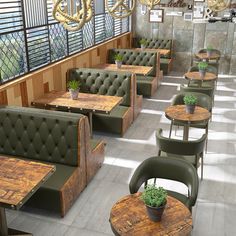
{"x": 24, "y": 94}
{"x": 3, "y": 98}
{"x": 46, "y": 87}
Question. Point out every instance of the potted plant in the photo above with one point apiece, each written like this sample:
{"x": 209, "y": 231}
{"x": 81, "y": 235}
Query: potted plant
{"x": 118, "y": 60}
{"x": 202, "y": 66}
{"x": 190, "y": 101}
{"x": 143, "y": 43}
{"x": 155, "y": 200}
{"x": 209, "y": 51}
{"x": 73, "y": 86}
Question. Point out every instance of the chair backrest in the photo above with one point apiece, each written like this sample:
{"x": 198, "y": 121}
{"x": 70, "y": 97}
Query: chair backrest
{"x": 98, "y": 81}
{"x": 42, "y": 135}
{"x": 203, "y": 100}
{"x": 138, "y": 58}
{"x": 180, "y": 147}
{"x": 210, "y": 68}
{"x": 204, "y": 90}
{"x": 166, "y": 168}
{"x": 215, "y": 51}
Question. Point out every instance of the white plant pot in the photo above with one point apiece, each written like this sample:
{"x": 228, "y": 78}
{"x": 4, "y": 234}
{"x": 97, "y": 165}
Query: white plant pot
{"x": 74, "y": 94}
{"x": 202, "y": 73}
{"x": 142, "y": 46}
{"x": 118, "y": 64}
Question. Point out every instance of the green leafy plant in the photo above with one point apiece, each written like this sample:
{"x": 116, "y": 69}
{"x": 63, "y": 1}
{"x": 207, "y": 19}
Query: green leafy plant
{"x": 190, "y": 99}
{"x": 202, "y": 65}
{"x": 153, "y": 196}
{"x": 143, "y": 42}
{"x": 209, "y": 48}
{"x": 73, "y": 84}
{"x": 118, "y": 57}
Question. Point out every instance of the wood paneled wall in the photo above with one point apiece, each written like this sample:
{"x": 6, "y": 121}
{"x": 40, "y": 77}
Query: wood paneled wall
{"x": 23, "y": 91}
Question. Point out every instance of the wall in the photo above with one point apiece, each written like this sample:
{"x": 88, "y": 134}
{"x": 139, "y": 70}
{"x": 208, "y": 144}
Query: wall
{"x": 23, "y": 91}
{"x": 189, "y": 38}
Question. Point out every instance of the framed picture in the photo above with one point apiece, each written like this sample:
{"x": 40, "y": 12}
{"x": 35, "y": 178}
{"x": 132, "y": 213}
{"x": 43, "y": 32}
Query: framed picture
{"x": 188, "y": 16}
{"x": 156, "y": 15}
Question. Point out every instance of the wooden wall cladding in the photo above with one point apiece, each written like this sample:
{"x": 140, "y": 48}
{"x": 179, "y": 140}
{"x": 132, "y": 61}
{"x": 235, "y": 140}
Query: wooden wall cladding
{"x": 22, "y": 91}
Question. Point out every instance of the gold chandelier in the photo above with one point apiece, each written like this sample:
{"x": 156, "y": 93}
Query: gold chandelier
{"x": 120, "y": 9}
{"x": 71, "y": 14}
{"x": 149, "y": 3}
{"x": 218, "y": 5}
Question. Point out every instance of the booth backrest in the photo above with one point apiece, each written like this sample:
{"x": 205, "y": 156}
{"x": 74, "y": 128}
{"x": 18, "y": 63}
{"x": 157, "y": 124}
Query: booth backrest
{"x": 154, "y": 43}
{"x": 97, "y": 81}
{"x": 132, "y": 57}
{"x": 39, "y": 135}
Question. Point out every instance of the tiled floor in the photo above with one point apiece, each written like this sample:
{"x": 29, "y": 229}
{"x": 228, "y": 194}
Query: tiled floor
{"x": 215, "y": 210}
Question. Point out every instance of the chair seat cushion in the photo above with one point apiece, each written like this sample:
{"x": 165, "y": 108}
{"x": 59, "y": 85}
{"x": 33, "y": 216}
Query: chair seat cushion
{"x": 144, "y": 85}
{"x": 110, "y": 122}
{"x": 165, "y": 60}
{"x": 200, "y": 125}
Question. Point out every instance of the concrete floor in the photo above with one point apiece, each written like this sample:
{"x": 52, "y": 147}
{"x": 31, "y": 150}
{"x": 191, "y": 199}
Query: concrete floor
{"x": 216, "y": 206}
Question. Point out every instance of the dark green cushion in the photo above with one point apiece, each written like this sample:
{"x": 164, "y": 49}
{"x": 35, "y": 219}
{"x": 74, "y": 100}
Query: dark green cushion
{"x": 155, "y": 43}
{"x": 132, "y": 57}
{"x": 110, "y": 122}
{"x": 144, "y": 85}
{"x": 164, "y": 65}
{"x": 39, "y": 134}
{"x": 97, "y": 81}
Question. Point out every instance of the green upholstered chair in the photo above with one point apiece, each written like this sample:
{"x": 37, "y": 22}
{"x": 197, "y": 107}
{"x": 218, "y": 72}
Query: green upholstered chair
{"x": 191, "y": 151}
{"x": 146, "y": 84}
{"x": 203, "y": 100}
{"x": 209, "y": 91}
{"x": 171, "y": 169}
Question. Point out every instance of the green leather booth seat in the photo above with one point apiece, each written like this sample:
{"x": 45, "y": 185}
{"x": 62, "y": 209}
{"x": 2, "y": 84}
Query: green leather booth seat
{"x": 98, "y": 81}
{"x": 132, "y": 57}
{"x": 155, "y": 43}
{"x": 57, "y": 138}
{"x": 166, "y": 60}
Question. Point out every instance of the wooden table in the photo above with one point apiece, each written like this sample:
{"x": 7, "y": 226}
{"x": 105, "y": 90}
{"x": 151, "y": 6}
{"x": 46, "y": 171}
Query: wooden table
{"x": 19, "y": 179}
{"x": 204, "y": 56}
{"x": 163, "y": 52}
{"x": 195, "y": 75}
{"x": 127, "y": 68}
{"x": 128, "y": 217}
{"x": 178, "y": 113}
{"x": 89, "y": 103}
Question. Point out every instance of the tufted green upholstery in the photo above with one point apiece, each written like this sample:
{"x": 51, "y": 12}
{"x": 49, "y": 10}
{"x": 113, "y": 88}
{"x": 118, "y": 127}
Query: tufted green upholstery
{"x": 39, "y": 135}
{"x": 110, "y": 83}
{"x": 132, "y": 57}
{"x": 155, "y": 43}
{"x": 56, "y": 138}
{"x": 103, "y": 82}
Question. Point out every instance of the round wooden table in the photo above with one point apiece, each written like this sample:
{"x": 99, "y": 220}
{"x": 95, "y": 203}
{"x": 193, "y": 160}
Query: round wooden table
{"x": 195, "y": 75}
{"x": 204, "y": 56}
{"x": 128, "y": 217}
{"x": 178, "y": 113}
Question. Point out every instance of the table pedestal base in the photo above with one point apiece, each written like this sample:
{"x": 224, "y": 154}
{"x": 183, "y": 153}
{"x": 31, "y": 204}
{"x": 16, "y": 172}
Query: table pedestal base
{"x": 4, "y": 231}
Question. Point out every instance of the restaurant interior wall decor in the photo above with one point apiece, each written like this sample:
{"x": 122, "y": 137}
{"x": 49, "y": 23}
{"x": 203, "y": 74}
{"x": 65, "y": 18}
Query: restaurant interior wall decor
{"x": 190, "y": 37}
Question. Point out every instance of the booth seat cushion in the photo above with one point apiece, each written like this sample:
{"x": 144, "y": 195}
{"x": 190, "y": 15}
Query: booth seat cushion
{"x": 165, "y": 65}
{"x": 112, "y": 122}
{"x": 144, "y": 85}
{"x": 97, "y": 81}
{"x": 132, "y": 57}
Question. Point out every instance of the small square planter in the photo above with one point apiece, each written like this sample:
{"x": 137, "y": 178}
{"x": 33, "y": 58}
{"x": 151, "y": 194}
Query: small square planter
{"x": 118, "y": 64}
{"x": 155, "y": 213}
{"x": 74, "y": 94}
{"x": 190, "y": 109}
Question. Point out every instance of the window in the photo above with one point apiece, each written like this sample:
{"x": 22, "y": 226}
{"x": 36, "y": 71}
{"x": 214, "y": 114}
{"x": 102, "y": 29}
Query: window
{"x": 30, "y": 38}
